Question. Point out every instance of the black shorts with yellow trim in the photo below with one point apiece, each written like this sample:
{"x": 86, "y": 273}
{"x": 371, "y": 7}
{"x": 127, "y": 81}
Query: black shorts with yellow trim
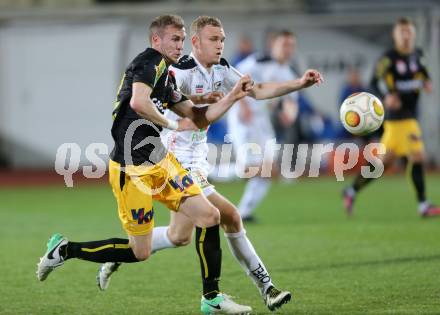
{"x": 135, "y": 188}
{"x": 402, "y": 137}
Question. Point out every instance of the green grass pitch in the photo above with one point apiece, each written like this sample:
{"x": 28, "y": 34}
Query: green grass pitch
{"x": 384, "y": 260}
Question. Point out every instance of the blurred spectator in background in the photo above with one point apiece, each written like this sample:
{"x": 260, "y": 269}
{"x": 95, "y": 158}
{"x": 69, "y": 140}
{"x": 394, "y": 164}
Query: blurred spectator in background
{"x": 249, "y": 121}
{"x": 285, "y": 109}
{"x": 353, "y": 84}
{"x": 294, "y": 117}
{"x": 310, "y": 126}
{"x": 245, "y": 48}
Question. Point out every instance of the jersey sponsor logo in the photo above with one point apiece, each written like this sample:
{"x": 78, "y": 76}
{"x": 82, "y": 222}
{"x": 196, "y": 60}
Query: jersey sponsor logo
{"x": 181, "y": 183}
{"x": 261, "y": 274}
{"x": 408, "y": 85}
{"x": 217, "y": 85}
{"x": 200, "y": 179}
{"x": 141, "y": 216}
{"x": 199, "y": 88}
{"x": 176, "y": 96}
{"x": 413, "y": 66}
{"x": 199, "y": 135}
{"x": 401, "y": 66}
{"x": 160, "y": 68}
{"x": 160, "y": 106}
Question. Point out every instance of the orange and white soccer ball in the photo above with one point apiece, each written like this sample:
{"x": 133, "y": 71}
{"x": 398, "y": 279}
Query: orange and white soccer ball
{"x": 361, "y": 113}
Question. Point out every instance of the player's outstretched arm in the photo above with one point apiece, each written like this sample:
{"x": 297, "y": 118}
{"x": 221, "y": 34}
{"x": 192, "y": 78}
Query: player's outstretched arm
{"x": 208, "y": 98}
{"x": 141, "y": 103}
{"x": 274, "y": 89}
{"x": 204, "y": 116}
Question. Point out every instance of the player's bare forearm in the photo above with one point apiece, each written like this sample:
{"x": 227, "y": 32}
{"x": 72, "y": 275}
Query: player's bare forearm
{"x": 196, "y": 99}
{"x": 204, "y": 116}
{"x": 196, "y": 114}
{"x": 208, "y": 98}
{"x": 188, "y": 110}
{"x": 275, "y": 89}
{"x": 215, "y": 111}
{"x": 267, "y": 90}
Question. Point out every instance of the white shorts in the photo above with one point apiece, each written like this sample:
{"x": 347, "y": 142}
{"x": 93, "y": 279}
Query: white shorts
{"x": 254, "y": 143}
{"x": 201, "y": 179}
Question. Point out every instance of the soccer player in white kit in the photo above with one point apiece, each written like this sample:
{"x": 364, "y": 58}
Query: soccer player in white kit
{"x": 205, "y": 77}
{"x": 250, "y": 121}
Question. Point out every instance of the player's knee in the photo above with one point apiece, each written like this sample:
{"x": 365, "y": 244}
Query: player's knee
{"x": 236, "y": 222}
{"x": 182, "y": 241}
{"x": 141, "y": 254}
{"x": 212, "y": 217}
{"x": 417, "y": 157}
{"x": 179, "y": 239}
{"x": 231, "y": 222}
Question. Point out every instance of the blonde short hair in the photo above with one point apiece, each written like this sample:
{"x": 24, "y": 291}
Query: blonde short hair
{"x": 162, "y": 21}
{"x": 202, "y": 21}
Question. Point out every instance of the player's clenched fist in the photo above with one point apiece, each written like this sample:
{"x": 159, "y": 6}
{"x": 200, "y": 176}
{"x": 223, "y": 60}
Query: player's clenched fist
{"x": 242, "y": 87}
{"x": 311, "y": 77}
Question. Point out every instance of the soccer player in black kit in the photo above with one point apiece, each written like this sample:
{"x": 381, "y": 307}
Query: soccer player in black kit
{"x": 399, "y": 77}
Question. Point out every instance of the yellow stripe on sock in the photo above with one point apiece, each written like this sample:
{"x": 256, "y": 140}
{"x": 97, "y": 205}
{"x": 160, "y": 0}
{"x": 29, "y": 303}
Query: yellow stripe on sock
{"x": 122, "y": 246}
{"x": 202, "y": 254}
{"x": 97, "y": 249}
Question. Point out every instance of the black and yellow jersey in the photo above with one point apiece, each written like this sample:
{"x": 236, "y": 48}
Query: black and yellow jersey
{"x": 401, "y": 74}
{"x": 141, "y": 138}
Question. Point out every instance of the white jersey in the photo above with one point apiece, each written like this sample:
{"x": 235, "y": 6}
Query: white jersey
{"x": 190, "y": 147}
{"x": 262, "y": 69}
{"x": 259, "y": 130}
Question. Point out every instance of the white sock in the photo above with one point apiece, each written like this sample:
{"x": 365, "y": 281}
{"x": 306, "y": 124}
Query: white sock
{"x": 160, "y": 239}
{"x": 245, "y": 254}
{"x": 255, "y": 190}
{"x": 423, "y": 206}
{"x": 351, "y": 192}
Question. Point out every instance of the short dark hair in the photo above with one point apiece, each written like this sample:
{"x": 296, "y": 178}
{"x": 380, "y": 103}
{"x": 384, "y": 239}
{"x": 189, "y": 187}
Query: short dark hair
{"x": 203, "y": 21}
{"x": 162, "y": 21}
{"x": 404, "y": 21}
{"x": 283, "y": 33}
